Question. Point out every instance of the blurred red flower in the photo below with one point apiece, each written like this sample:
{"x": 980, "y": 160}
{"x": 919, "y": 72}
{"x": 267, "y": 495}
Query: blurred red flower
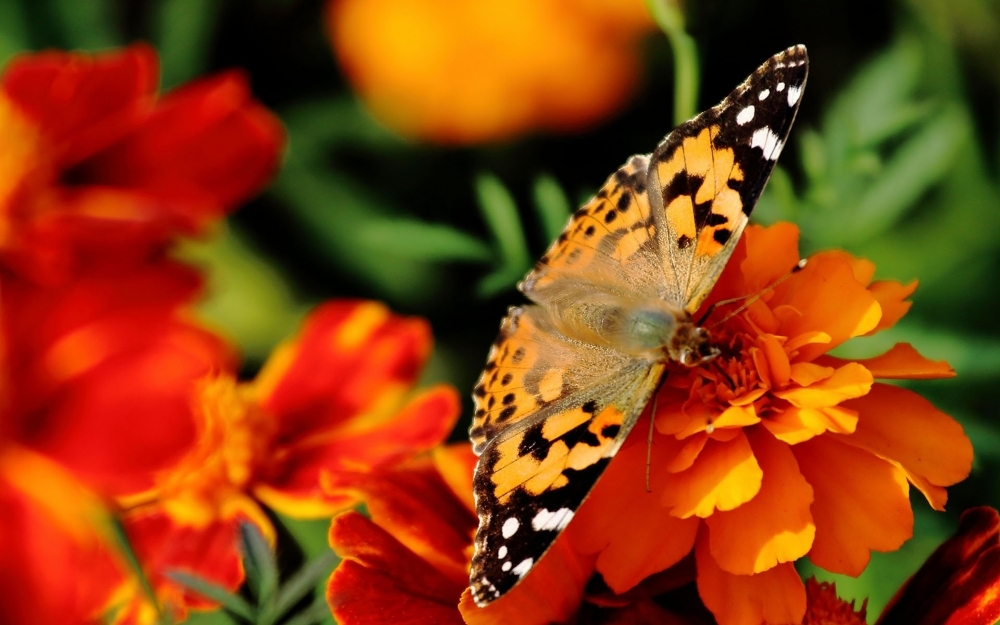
{"x": 94, "y": 165}
{"x": 470, "y": 72}
{"x": 329, "y": 407}
{"x": 98, "y": 355}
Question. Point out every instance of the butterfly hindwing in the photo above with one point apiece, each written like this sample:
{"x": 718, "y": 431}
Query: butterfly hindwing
{"x": 530, "y": 480}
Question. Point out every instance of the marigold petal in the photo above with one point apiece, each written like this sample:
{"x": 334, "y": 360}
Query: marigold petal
{"x": 808, "y": 373}
{"x": 50, "y": 532}
{"x": 551, "y": 593}
{"x": 382, "y": 582}
{"x": 902, "y": 362}
{"x": 794, "y": 425}
{"x": 959, "y": 584}
{"x": 83, "y": 102}
{"x": 850, "y": 381}
{"x": 626, "y": 558}
{"x": 904, "y": 428}
{"x": 862, "y": 504}
{"x": 725, "y": 475}
{"x": 456, "y": 463}
{"x": 773, "y": 527}
{"x": 776, "y": 596}
{"x": 163, "y": 545}
{"x": 762, "y": 256}
{"x": 423, "y": 423}
{"x": 891, "y": 296}
{"x": 350, "y": 359}
{"x": 418, "y": 508}
{"x": 830, "y": 300}
{"x": 166, "y": 156}
{"x": 778, "y": 367}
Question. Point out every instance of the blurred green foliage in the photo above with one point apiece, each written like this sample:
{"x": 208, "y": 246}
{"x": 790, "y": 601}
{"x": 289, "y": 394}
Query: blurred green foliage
{"x": 894, "y": 158}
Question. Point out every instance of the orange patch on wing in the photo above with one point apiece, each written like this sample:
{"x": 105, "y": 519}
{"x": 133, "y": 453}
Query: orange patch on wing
{"x": 680, "y": 216}
{"x": 550, "y": 387}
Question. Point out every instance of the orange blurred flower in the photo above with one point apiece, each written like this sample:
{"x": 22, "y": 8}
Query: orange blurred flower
{"x": 469, "y": 72}
{"x": 95, "y": 166}
{"x": 331, "y": 406}
{"x": 778, "y": 452}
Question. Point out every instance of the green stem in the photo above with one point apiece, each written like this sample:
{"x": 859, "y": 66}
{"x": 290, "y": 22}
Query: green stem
{"x": 132, "y": 560}
{"x": 670, "y": 18}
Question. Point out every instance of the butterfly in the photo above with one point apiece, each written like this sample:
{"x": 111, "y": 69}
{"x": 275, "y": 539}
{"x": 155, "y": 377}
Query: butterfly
{"x": 611, "y": 309}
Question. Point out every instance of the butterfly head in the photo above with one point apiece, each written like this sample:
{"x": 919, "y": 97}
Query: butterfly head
{"x": 692, "y": 346}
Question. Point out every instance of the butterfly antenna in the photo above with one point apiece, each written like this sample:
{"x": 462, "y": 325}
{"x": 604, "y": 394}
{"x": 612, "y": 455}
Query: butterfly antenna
{"x": 752, "y": 298}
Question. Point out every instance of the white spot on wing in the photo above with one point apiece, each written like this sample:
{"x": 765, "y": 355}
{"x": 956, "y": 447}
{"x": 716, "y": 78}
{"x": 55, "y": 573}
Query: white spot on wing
{"x": 793, "y": 95}
{"x": 767, "y": 141}
{"x": 502, "y": 552}
{"x": 745, "y": 115}
{"x": 522, "y": 569}
{"x": 781, "y": 86}
{"x": 506, "y": 567}
{"x": 763, "y": 94}
{"x": 510, "y": 527}
{"x": 551, "y": 521}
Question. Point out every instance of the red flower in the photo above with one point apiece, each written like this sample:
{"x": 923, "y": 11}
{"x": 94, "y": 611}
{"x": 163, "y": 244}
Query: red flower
{"x": 94, "y": 165}
{"x": 329, "y": 407}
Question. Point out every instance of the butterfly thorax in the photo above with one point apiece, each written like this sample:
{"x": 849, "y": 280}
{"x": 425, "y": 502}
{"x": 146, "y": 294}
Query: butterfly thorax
{"x": 653, "y": 330}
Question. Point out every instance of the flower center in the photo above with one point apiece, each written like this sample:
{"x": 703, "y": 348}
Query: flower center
{"x": 234, "y": 437}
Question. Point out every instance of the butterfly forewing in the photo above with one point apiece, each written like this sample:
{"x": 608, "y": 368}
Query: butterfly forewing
{"x": 706, "y": 176}
{"x": 553, "y": 406}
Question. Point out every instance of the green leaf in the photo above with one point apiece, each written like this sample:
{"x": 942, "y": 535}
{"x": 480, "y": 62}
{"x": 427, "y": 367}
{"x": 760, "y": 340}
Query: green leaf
{"x": 417, "y": 240}
{"x": 258, "y": 554}
{"x": 183, "y": 35}
{"x": 132, "y": 561}
{"x": 917, "y": 165}
{"x": 234, "y": 603}
{"x": 13, "y": 30}
{"x": 500, "y": 213}
{"x": 553, "y": 206}
{"x": 87, "y": 25}
{"x": 303, "y": 581}
{"x": 318, "y": 612}
{"x": 315, "y": 125}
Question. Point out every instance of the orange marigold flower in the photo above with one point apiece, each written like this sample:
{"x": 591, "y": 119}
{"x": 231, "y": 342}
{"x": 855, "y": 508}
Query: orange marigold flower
{"x": 776, "y": 450}
{"x": 93, "y": 164}
{"x": 470, "y": 72}
{"x": 329, "y": 407}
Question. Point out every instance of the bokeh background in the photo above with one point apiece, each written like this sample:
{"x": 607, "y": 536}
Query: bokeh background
{"x": 437, "y": 146}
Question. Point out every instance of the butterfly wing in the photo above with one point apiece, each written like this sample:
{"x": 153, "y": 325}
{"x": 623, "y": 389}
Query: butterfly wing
{"x": 539, "y": 463}
{"x": 611, "y": 240}
{"x": 706, "y": 176}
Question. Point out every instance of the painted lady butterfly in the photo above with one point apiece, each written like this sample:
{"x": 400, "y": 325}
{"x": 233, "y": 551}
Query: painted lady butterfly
{"x": 611, "y": 308}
